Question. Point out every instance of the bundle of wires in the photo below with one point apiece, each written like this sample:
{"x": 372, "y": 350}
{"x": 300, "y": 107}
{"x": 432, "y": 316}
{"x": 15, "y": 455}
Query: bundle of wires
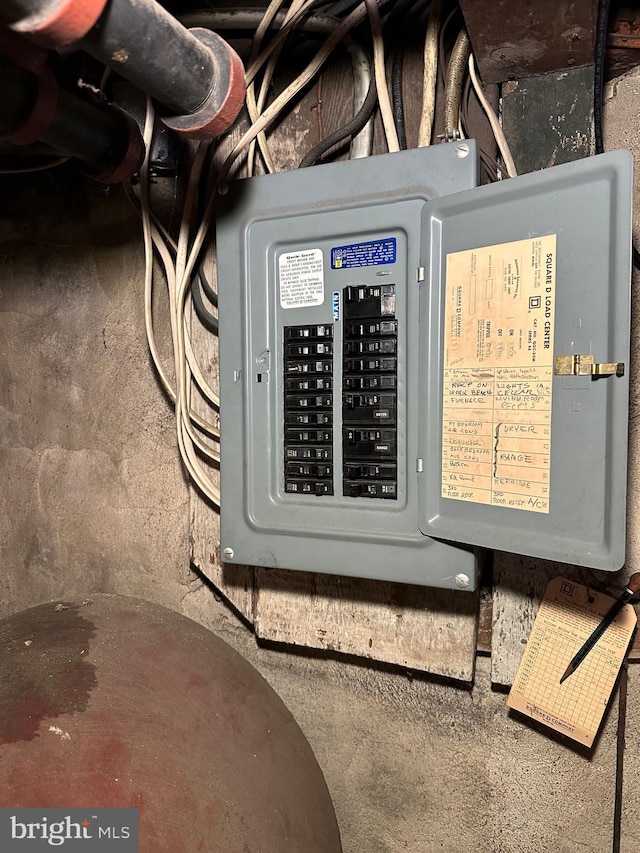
{"x": 181, "y": 261}
{"x": 197, "y": 437}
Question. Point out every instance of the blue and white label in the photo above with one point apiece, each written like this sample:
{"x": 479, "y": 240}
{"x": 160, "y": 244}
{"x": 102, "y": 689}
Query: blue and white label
{"x": 371, "y": 254}
{"x": 335, "y": 304}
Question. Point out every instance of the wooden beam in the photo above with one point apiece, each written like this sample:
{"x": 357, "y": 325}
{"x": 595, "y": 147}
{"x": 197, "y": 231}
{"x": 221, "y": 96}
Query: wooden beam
{"x": 548, "y": 119}
{"x": 432, "y": 630}
{"x": 512, "y": 40}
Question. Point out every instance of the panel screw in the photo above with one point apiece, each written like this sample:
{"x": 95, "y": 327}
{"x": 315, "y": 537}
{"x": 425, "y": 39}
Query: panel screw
{"x": 462, "y": 581}
{"x": 227, "y": 554}
{"x": 462, "y": 151}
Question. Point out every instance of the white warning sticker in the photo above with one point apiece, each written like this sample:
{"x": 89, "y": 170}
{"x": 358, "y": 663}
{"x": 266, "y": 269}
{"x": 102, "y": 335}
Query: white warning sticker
{"x": 301, "y": 278}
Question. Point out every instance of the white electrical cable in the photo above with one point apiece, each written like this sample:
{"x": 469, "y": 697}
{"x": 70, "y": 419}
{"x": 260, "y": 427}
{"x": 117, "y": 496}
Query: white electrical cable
{"x": 255, "y": 66}
{"x": 321, "y": 24}
{"x": 362, "y": 143}
{"x": 147, "y": 229}
{"x": 194, "y": 367}
{"x": 292, "y": 16}
{"x": 178, "y": 270}
{"x": 254, "y": 106}
{"x": 160, "y": 245}
{"x": 274, "y": 109}
{"x": 169, "y": 267}
{"x": 430, "y": 75}
{"x": 188, "y": 440}
{"x": 381, "y": 76}
{"x": 501, "y": 139}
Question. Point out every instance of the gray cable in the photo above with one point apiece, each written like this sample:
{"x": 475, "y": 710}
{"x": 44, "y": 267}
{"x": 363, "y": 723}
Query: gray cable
{"x": 453, "y": 90}
{"x": 248, "y": 19}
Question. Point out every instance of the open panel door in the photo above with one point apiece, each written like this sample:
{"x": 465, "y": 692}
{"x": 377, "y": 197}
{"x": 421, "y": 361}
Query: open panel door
{"x": 524, "y": 361}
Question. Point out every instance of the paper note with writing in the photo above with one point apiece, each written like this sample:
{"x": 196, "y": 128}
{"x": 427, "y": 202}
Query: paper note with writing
{"x": 498, "y": 372}
{"x": 568, "y": 615}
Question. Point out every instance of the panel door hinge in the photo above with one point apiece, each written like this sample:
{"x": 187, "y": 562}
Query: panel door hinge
{"x": 586, "y": 365}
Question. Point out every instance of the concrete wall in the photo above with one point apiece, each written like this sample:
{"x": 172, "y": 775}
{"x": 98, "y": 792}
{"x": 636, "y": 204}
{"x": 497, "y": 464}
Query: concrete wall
{"x": 93, "y": 499}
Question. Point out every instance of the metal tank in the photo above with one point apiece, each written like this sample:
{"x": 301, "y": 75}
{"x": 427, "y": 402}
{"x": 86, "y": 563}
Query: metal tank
{"x": 118, "y": 702}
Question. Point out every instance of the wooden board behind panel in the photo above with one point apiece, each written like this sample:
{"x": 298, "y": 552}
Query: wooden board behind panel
{"x": 236, "y": 583}
{"x": 432, "y": 630}
{"x": 519, "y": 584}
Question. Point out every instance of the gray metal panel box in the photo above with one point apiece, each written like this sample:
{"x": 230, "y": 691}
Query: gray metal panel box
{"x": 331, "y": 361}
{"x": 319, "y": 210}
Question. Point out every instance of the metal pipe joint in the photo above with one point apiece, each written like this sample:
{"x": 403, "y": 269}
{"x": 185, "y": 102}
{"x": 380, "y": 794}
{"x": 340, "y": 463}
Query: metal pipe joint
{"x": 195, "y": 77}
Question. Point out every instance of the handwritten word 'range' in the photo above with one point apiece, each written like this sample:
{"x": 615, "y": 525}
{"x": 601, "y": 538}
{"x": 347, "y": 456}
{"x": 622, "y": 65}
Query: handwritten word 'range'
{"x": 496, "y": 437}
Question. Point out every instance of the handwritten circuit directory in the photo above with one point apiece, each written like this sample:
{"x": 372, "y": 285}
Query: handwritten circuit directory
{"x": 498, "y": 374}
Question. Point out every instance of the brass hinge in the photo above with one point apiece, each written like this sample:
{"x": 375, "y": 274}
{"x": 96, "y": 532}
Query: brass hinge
{"x": 586, "y": 365}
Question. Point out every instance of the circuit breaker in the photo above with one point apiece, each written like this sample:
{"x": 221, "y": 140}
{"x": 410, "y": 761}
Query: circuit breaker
{"x": 412, "y": 365}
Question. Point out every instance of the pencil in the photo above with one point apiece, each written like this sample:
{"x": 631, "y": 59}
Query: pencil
{"x": 607, "y": 619}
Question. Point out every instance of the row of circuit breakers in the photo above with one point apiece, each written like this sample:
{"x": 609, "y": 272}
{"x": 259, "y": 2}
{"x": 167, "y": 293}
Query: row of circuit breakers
{"x": 367, "y": 396}
{"x": 412, "y": 366}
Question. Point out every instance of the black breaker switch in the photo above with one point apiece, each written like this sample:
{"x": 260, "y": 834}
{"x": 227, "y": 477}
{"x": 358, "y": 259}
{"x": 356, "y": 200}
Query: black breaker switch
{"x": 370, "y": 303}
{"x": 308, "y": 404}
{"x": 369, "y": 392}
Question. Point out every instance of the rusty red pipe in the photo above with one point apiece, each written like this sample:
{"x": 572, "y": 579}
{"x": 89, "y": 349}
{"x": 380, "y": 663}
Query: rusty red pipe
{"x": 194, "y": 76}
{"x": 33, "y": 108}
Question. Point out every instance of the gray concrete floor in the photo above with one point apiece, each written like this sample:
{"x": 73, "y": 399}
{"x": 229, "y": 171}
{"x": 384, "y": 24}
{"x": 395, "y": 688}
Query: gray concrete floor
{"x": 419, "y": 766}
{"x": 94, "y": 500}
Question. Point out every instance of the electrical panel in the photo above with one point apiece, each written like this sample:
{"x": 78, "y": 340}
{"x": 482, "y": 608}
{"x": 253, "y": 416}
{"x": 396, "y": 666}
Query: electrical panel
{"x": 412, "y": 365}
